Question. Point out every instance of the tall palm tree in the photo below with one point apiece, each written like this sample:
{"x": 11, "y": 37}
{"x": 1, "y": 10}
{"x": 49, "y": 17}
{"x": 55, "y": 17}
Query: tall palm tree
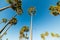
{"x": 15, "y": 5}
{"x": 31, "y": 12}
{"x": 24, "y": 29}
{"x": 13, "y": 21}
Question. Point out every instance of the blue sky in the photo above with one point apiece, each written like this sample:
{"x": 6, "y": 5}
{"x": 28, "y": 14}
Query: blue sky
{"x": 43, "y": 21}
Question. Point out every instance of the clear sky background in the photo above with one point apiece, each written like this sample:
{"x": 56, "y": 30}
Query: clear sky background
{"x": 43, "y": 21}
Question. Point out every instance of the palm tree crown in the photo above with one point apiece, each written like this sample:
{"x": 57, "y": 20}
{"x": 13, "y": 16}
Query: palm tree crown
{"x": 32, "y": 10}
{"x": 24, "y": 29}
{"x": 4, "y": 20}
{"x": 13, "y": 21}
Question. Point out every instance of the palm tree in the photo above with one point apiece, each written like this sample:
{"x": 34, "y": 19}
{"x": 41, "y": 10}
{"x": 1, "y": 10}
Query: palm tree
{"x": 4, "y": 20}
{"x": 24, "y": 29}
{"x": 19, "y": 6}
{"x": 31, "y": 12}
{"x": 46, "y": 33}
{"x": 52, "y": 34}
{"x": 15, "y": 5}
{"x": 57, "y": 35}
{"x": 55, "y": 10}
{"x": 13, "y": 21}
{"x": 43, "y": 36}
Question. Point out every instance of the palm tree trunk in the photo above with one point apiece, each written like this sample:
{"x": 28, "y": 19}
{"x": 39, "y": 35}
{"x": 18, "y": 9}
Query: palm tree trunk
{"x": 26, "y": 36}
{"x": 14, "y": 15}
{"x": 1, "y": 9}
{"x": 5, "y": 32}
{"x": 3, "y": 28}
{"x": 31, "y": 27}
